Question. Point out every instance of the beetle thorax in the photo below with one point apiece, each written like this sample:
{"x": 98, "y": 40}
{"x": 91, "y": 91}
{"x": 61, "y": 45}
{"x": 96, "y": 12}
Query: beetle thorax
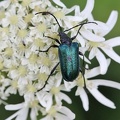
{"x": 64, "y": 38}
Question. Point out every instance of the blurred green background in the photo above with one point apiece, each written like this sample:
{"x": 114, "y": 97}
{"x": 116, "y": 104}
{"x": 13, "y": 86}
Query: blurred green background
{"x": 97, "y": 111}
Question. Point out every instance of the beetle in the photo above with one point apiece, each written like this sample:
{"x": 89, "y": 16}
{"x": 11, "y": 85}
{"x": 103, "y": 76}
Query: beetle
{"x": 68, "y": 53}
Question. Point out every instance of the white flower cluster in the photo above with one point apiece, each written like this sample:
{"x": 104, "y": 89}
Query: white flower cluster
{"x": 24, "y": 69}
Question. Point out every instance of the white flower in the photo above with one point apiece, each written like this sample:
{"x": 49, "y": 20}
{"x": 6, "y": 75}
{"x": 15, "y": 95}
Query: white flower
{"x": 23, "y": 108}
{"x": 59, "y": 112}
{"x": 4, "y": 84}
{"x": 24, "y": 69}
{"x": 95, "y": 47}
{"x": 61, "y": 14}
{"x": 12, "y": 88}
{"x": 43, "y": 3}
{"x": 5, "y": 3}
{"x": 92, "y": 87}
{"x": 53, "y": 93}
{"x": 93, "y": 39}
{"x": 86, "y": 11}
{"x": 14, "y": 19}
{"x": 21, "y": 114}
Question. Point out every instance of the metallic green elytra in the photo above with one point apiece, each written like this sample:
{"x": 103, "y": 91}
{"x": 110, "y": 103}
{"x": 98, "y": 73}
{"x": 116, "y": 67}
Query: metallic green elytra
{"x": 69, "y": 61}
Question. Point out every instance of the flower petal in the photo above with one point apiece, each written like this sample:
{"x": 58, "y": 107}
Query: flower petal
{"x": 58, "y": 2}
{"x": 81, "y": 40}
{"x": 47, "y": 118}
{"x": 100, "y": 98}
{"x": 61, "y": 117}
{"x": 111, "y": 22}
{"x": 67, "y": 112}
{"x": 111, "y": 54}
{"x": 68, "y": 10}
{"x": 23, "y": 114}
{"x": 62, "y": 96}
{"x": 75, "y": 18}
{"x": 58, "y": 81}
{"x": 95, "y": 71}
{"x": 90, "y": 36}
{"x": 113, "y": 42}
{"x": 13, "y": 115}
{"x": 45, "y": 99}
{"x": 14, "y": 107}
{"x": 83, "y": 50}
{"x": 4, "y": 3}
{"x": 108, "y": 83}
{"x": 85, "y": 59}
{"x": 33, "y": 114}
{"x": 102, "y": 61}
{"x": 88, "y": 9}
{"x": 92, "y": 53}
{"x": 99, "y": 26}
{"x": 81, "y": 92}
{"x": 5, "y": 22}
{"x": 69, "y": 85}
{"x": 77, "y": 10}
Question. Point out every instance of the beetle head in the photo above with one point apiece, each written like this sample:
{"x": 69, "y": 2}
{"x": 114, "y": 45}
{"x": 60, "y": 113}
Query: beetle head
{"x": 64, "y": 38}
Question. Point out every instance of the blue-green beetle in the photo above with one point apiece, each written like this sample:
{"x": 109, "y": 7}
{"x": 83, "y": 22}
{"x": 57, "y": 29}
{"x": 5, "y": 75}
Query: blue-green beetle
{"x": 68, "y": 53}
{"x": 69, "y": 61}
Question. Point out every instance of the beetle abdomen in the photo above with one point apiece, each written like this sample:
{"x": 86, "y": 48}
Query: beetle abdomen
{"x": 69, "y": 61}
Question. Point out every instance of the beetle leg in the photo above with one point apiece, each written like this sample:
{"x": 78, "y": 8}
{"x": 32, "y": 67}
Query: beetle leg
{"x": 80, "y": 53}
{"x": 50, "y": 75}
{"x": 56, "y": 40}
{"x": 85, "y": 87}
{"x": 83, "y": 69}
{"x": 49, "y": 48}
{"x": 83, "y": 77}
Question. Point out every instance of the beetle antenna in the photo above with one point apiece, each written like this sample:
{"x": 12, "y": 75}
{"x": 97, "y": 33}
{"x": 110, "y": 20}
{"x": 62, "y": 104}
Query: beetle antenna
{"x": 81, "y": 24}
{"x": 46, "y": 13}
{"x": 80, "y": 28}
